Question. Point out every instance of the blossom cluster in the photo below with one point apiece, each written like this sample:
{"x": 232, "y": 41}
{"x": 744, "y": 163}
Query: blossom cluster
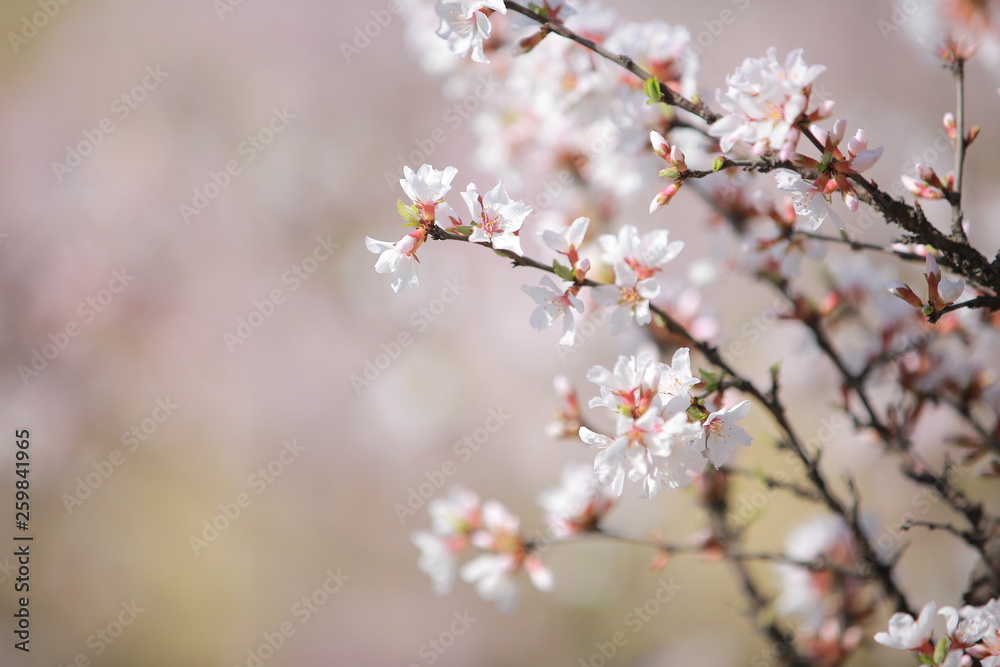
{"x": 579, "y": 137}
{"x": 663, "y": 436}
{"x": 971, "y": 636}
{"x": 460, "y": 521}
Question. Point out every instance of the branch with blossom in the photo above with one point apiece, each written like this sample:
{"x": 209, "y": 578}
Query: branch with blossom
{"x": 897, "y": 352}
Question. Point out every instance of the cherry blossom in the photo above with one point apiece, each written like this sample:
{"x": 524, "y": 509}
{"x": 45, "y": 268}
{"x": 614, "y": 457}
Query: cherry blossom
{"x": 493, "y": 573}
{"x": 807, "y": 198}
{"x": 567, "y": 242}
{"x": 646, "y": 255}
{"x": 678, "y": 451}
{"x": 578, "y": 504}
{"x": 453, "y": 519}
{"x": 554, "y": 303}
{"x": 765, "y": 100}
{"x": 427, "y": 187}
{"x": 496, "y": 218}
{"x": 675, "y": 377}
{"x": 722, "y": 436}
{"x": 437, "y": 560}
{"x": 630, "y": 389}
{"x": 466, "y": 27}
{"x": 627, "y": 453}
{"x": 630, "y": 295}
{"x": 399, "y": 258}
{"x": 906, "y": 633}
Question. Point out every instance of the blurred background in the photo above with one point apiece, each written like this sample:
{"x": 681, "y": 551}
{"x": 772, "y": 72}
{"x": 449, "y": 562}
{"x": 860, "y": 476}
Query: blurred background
{"x": 190, "y": 310}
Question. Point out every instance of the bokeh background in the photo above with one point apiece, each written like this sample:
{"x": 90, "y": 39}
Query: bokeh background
{"x": 138, "y": 300}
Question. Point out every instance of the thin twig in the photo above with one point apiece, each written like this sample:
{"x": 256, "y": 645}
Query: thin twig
{"x": 861, "y": 245}
{"x": 668, "y": 96}
{"x": 882, "y": 571}
{"x": 955, "y": 198}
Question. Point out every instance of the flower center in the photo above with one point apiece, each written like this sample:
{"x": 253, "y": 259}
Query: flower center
{"x": 629, "y": 297}
{"x": 492, "y": 222}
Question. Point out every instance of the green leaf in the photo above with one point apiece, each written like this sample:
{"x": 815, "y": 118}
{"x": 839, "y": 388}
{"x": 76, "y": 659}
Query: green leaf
{"x": 941, "y": 650}
{"x": 719, "y": 163}
{"x": 711, "y": 380}
{"x": 696, "y": 414}
{"x": 670, "y": 172}
{"x": 542, "y": 10}
{"x": 409, "y": 213}
{"x": 564, "y": 272}
{"x": 926, "y": 659}
{"x": 653, "y": 91}
{"x": 464, "y": 230}
{"x": 774, "y": 370}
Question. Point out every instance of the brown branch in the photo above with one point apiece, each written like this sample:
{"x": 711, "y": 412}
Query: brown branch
{"x": 955, "y": 197}
{"x": 987, "y": 302}
{"x": 699, "y": 109}
{"x": 882, "y": 571}
{"x": 772, "y": 483}
{"x": 862, "y": 245}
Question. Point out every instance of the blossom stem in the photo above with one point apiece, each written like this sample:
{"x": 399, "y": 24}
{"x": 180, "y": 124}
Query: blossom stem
{"x": 882, "y": 570}
{"x": 668, "y": 96}
{"x": 772, "y": 483}
{"x": 861, "y": 245}
{"x": 955, "y": 197}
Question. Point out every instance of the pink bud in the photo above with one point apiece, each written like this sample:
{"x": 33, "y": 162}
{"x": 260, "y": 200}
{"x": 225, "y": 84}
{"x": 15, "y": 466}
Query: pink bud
{"x": 866, "y": 159}
{"x": 837, "y": 135}
{"x": 858, "y": 143}
{"x": 904, "y": 292}
{"x": 660, "y": 145}
{"x": 920, "y": 189}
{"x": 677, "y": 158}
{"x": 950, "y": 126}
{"x": 926, "y": 173}
{"x": 820, "y": 134}
{"x": 852, "y": 201}
{"x": 663, "y": 197}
